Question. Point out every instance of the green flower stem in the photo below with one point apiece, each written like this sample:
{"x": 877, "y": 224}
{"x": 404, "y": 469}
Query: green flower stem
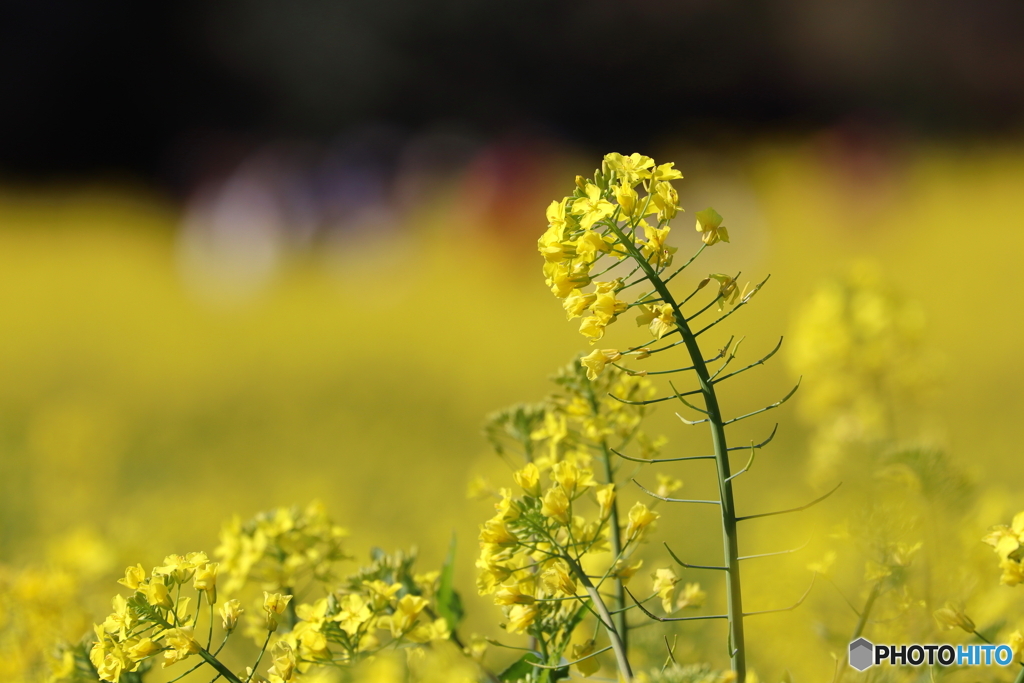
{"x": 983, "y": 638}
{"x": 218, "y": 666}
{"x": 205, "y": 654}
{"x": 614, "y": 532}
{"x": 734, "y": 593}
{"x": 259, "y": 659}
{"x": 862, "y": 622}
{"x": 616, "y": 547}
{"x": 605, "y": 617}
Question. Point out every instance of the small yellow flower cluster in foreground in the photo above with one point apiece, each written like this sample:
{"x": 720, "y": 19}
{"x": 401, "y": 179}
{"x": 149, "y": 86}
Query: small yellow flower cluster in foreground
{"x": 544, "y": 544}
{"x": 280, "y": 547}
{"x": 529, "y": 550}
{"x": 285, "y": 552}
{"x": 155, "y": 619}
{"x": 291, "y": 550}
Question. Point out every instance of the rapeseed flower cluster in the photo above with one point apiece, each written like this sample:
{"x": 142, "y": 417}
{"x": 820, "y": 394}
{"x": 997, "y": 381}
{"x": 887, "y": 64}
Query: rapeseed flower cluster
{"x": 901, "y": 555}
{"x": 557, "y": 536}
{"x": 623, "y": 211}
{"x": 382, "y": 605}
{"x": 343, "y": 620}
{"x": 537, "y": 552}
{"x": 862, "y": 344}
{"x": 607, "y": 218}
{"x": 156, "y": 622}
{"x": 619, "y": 221}
{"x": 1008, "y": 544}
{"x": 284, "y": 548}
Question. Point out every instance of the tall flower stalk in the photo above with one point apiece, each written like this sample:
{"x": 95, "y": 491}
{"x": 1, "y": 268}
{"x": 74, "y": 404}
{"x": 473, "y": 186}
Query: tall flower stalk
{"x": 611, "y": 234}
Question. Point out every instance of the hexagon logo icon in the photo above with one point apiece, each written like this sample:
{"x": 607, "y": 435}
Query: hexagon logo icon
{"x": 862, "y": 654}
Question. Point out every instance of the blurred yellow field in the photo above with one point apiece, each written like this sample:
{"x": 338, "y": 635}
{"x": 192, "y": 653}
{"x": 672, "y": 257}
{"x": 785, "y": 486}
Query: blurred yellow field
{"x": 138, "y": 414}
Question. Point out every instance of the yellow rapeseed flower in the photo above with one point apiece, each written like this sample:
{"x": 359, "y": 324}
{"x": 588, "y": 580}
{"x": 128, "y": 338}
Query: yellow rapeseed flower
{"x": 590, "y": 665}
{"x": 557, "y": 218}
{"x": 139, "y": 649}
{"x": 229, "y": 613}
{"x": 109, "y": 660}
{"x": 1013, "y": 572}
{"x": 353, "y": 614}
{"x": 590, "y": 244}
{"x": 205, "y": 580}
{"x": 624, "y": 570}
{"x": 562, "y": 278}
{"x": 667, "y": 485}
{"x": 529, "y": 479}
{"x": 1016, "y": 643}
{"x": 121, "y": 620}
{"x": 284, "y": 662}
{"x": 640, "y": 519}
{"x": 709, "y": 224}
{"x": 491, "y": 575}
{"x": 595, "y": 361}
{"x": 666, "y": 199}
{"x": 605, "y": 499}
{"x": 557, "y": 579}
{"x": 506, "y": 506}
{"x": 655, "y": 249}
{"x": 570, "y": 477}
{"x": 521, "y": 617}
{"x": 179, "y": 644}
{"x": 494, "y": 532}
{"x": 180, "y": 569}
{"x": 630, "y": 170}
{"x": 156, "y": 592}
{"x": 274, "y": 605}
{"x": 728, "y": 291}
{"x": 629, "y": 200}
{"x": 665, "y": 581}
{"x": 666, "y": 172}
{"x": 133, "y": 577}
{"x": 407, "y": 611}
{"x": 660, "y": 319}
{"x": 553, "y": 246}
{"x": 691, "y": 596}
{"x": 577, "y": 302}
{"x": 381, "y": 594}
{"x": 511, "y": 595}
{"x": 592, "y": 207}
{"x": 555, "y": 505}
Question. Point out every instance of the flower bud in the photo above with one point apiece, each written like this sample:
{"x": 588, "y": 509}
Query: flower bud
{"x": 229, "y": 613}
{"x": 529, "y": 479}
{"x": 274, "y": 604}
{"x": 205, "y": 579}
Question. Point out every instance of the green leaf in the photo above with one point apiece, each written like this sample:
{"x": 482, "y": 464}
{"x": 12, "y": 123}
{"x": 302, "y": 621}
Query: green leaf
{"x": 522, "y": 670}
{"x": 449, "y": 604}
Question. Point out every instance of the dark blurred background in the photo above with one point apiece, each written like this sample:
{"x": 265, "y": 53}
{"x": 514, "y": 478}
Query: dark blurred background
{"x": 171, "y": 91}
